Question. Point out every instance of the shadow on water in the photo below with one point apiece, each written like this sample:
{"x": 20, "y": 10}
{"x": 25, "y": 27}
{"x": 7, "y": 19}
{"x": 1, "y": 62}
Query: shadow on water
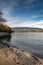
{"x": 7, "y": 39}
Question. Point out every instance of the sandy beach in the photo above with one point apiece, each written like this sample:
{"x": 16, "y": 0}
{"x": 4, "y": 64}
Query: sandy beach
{"x": 15, "y": 56}
{"x": 9, "y": 56}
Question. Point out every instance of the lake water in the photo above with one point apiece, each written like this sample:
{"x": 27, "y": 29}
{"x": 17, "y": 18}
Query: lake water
{"x": 32, "y": 42}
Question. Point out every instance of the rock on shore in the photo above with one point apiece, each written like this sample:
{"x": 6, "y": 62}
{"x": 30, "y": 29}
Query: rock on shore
{"x": 15, "y": 56}
{"x": 3, "y": 34}
{"x": 9, "y": 56}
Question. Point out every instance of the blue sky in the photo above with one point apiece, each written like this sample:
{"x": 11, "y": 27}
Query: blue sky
{"x": 23, "y": 13}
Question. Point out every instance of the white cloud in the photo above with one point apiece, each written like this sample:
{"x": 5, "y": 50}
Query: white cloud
{"x": 16, "y": 23}
{"x": 19, "y": 22}
{"x": 37, "y": 24}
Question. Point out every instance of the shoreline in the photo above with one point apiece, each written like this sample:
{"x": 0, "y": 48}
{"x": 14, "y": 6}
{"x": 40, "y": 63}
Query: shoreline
{"x": 4, "y": 34}
{"x": 26, "y": 56}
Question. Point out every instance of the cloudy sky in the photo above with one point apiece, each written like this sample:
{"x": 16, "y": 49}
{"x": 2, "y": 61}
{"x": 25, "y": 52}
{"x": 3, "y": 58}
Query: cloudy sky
{"x": 22, "y": 13}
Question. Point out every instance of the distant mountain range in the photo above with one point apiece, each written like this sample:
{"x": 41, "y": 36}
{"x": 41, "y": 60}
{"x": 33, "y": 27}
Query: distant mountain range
{"x": 27, "y": 29}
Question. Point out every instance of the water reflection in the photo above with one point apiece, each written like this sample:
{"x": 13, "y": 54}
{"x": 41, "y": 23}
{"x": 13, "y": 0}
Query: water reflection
{"x": 7, "y": 38}
{"x": 4, "y": 44}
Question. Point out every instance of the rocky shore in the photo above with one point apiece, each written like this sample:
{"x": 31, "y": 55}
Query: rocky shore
{"x": 15, "y": 56}
{"x": 3, "y": 34}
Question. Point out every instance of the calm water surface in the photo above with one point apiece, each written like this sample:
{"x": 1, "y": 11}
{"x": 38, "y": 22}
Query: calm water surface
{"x": 32, "y": 42}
